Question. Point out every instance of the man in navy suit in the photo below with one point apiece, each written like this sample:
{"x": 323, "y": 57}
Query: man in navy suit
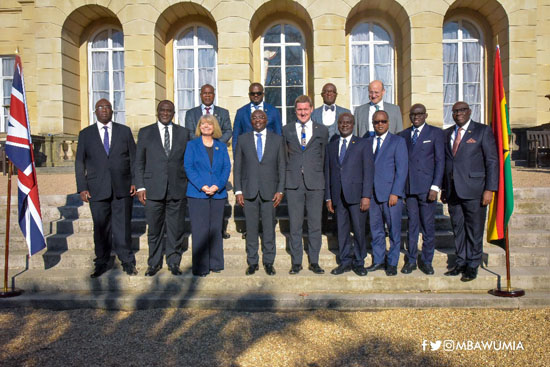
{"x": 259, "y": 176}
{"x": 349, "y": 170}
{"x": 329, "y": 112}
{"x": 471, "y": 177}
{"x": 390, "y": 175}
{"x": 207, "y": 107}
{"x": 243, "y": 124}
{"x": 104, "y": 178}
{"x": 305, "y": 144}
{"x": 162, "y": 183}
{"x": 425, "y": 144}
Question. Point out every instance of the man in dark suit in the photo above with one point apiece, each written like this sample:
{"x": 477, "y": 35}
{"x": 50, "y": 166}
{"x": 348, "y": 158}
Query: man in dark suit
{"x": 471, "y": 177}
{"x": 329, "y": 112}
{"x": 104, "y": 178}
{"x": 243, "y": 124}
{"x": 349, "y": 170}
{"x": 426, "y": 146}
{"x": 305, "y": 144}
{"x": 259, "y": 176}
{"x": 363, "y": 114}
{"x": 207, "y": 108}
{"x": 161, "y": 183}
{"x": 390, "y": 175}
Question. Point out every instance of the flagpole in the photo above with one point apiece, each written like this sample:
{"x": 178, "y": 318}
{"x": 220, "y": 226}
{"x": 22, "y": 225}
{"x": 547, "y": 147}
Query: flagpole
{"x": 509, "y": 291}
{"x": 6, "y": 292}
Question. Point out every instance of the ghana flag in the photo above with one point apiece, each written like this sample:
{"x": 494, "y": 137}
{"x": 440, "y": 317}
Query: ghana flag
{"x": 502, "y": 206}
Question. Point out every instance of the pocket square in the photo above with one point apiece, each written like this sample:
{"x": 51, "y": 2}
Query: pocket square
{"x": 426, "y": 141}
{"x": 470, "y": 141}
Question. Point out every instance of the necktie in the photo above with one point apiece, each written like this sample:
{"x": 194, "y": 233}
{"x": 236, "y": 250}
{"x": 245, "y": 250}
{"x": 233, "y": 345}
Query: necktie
{"x": 207, "y": 110}
{"x": 331, "y": 107}
{"x": 375, "y": 106}
{"x": 259, "y": 146}
{"x": 106, "y": 139}
{"x": 415, "y": 136}
{"x": 343, "y": 149}
{"x": 303, "y": 136}
{"x": 255, "y": 106}
{"x": 458, "y": 138}
{"x": 378, "y": 140}
{"x": 166, "y": 141}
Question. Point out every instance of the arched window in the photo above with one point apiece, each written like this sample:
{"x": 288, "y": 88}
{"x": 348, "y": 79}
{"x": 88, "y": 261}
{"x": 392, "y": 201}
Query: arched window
{"x": 283, "y": 68}
{"x": 7, "y": 68}
{"x": 106, "y": 71}
{"x": 195, "y": 60}
{"x": 372, "y": 58}
{"x": 462, "y": 69}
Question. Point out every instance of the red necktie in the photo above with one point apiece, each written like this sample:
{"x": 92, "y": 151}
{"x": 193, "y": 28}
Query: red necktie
{"x": 458, "y": 138}
{"x": 207, "y": 110}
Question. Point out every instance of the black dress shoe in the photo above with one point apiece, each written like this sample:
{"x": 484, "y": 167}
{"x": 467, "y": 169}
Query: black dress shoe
{"x": 426, "y": 268}
{"x": 225, "y": 235}
{"x": 408, "y": 268}
{"x": 295, "y": 269}
{"x": 175, "y": 270}
{"x": 316, "y": 268}
{"x": 129, "y": 269}
{"x": 375, "y": 267}
{"x": 269, "y": 269}
{"x": 469, "y": 274}
{"x": 152, "y": 270}
{"x": 340, "y": 270}
{"x": 251, "y": 269}
{"x": 217, "y": 271}
{"x": 360, "y": 270}
{"x": 391, "y": 270}
{"x": 98, "y": 271}
{"x": 457, "y": 270}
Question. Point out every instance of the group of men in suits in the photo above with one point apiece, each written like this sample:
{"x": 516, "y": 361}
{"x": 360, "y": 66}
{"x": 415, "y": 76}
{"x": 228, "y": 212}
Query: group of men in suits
{"x": 356, "y": 164}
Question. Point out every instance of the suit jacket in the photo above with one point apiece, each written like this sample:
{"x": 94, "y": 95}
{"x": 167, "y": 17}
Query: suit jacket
{"x": 154, "y": 170}
{"x": 200, "y": 172}
{"x": 100, "y": 174}
{"x": 194, "y": 114}
{"x": 308, "y": 163}
{"x": 362, "y": 120}
{"x": 354, "y": 177}
{"x": 243, "y": 123}
{"x": 317, "y": 116}
{"x": 252, "y": 176}
{"x": 426, "y": 159}
{"x": 474, "y": 168}
{"x": 390, "y": 167}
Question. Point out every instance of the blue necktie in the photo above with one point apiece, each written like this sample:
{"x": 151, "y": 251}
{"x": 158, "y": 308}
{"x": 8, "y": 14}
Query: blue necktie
{"x": 377, "y": 147}
{"x": 303, "y": 140}
{"x": 415, "y": 136}
{"x": 331, "y": 107}
{"x": 259, "y": 146}
{"x": 106, "y": 139}
{"x": 342, "y": 151}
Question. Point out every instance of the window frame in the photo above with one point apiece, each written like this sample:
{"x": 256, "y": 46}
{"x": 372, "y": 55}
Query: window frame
{"x": 3, "y": 121}
{"x": 460, "y": 61}
{"x": 110, "y": 49}
{"x": 371, "y": 42}
{"x": 196, "y": 87}
{"x": 282, "y": 44}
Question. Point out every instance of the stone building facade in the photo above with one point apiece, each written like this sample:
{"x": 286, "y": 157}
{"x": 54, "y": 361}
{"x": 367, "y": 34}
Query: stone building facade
{"x": 138, "y": 52}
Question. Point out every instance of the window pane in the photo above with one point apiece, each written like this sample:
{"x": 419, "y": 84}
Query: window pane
{"x": 360, "y": 32}
{"x": 360, "y": 94}
{"x": 471, "y": 73}
{"x": 476, "y": 112}
{"x": 450, "y": 73}
{"x": 447, "y": 116}
{"x": 118, "y": 104}
{"x": 185, "y": 78}
{"x": 206, "y": 37}
{"x": 361, "y": 75}
{"x": 273, "y": 96}
{"x": 273, "y": 35}
{"x": 100, "y": 81}
{"x": 185, "y": 59}
{"x": 471, "y": 93}
{"x": 294, "y": 75}
{"x": 450, "y": 93}
{"x": 207, "y": 57}
{"x": 450, "y": 52}
{"x": 383, "y": 73}
{"x": 360, "y": 55}
{"x": 118, "y": 60}
{"x": 272, "y": 55}
{"x": 207, "y": 76}
{"x": 8, "y": 66}
{"x": 273, "y": 77}
{"x": 7, "y": 91}
{"x": 292, "y": 94}
{"x": 293, "y": 55}
{"x": 290, "y": 114}
{"x": 450, "y": 31}
{"x": 469, "y": 31}
{"x": 471, "y": 52}
{"x": 118, "y": 39}
{"x": 292, "y": 34}
{"x": 101, "y": 40}
{"x": 185, "y": 38}
{"x": 380, "y": 34}
{"x": 100, "y": 61}
{"x": 118, "y": 80}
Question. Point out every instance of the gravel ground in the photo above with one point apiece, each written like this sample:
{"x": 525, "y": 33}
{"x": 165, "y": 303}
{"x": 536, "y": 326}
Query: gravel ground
{"x": 174, "y": 337}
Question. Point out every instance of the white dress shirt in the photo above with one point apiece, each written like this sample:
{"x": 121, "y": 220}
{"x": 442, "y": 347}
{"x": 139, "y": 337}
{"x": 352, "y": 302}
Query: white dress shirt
{"x": 259, "y": 105}
{"x": 328, "y": 116}
{"x": 462, "y": 132}
{"x": 102, "y": 131}
{"x": 372, "y": 110}
{"x": 375, "y": 141}
{"x": 309, "y": 131}
{"x": 348, "y": 141}
{"x": 161, "y": 127}
{"x": 203, "y": 108}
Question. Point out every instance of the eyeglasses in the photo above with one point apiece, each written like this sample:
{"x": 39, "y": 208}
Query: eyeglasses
{"x": 255, "y": 93}
{"x": 103, "y": 108}
{"x": 461, "y": 110}
{"x": 376, "y": 122}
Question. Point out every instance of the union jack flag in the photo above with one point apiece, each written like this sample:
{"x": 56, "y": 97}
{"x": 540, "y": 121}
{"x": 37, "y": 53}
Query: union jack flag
{"x": 19, "y": 151}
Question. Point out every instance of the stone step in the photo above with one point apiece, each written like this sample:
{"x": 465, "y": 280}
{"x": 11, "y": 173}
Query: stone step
{"x": 529, "y": 237}
{"x": 234, "y": 280}
{"x": 236, "y": 258}
{"x": 534, "y": 193}
{"x": 532, "y": 206}
{"x": 530, "y": 221}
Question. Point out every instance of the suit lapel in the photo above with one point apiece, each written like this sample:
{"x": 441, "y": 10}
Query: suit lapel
{"x": 115, "y": 138}
{"x": 294, "y": 134}
{"x": 467, "y": 135}
{"x": 350, "y": 148}
{"x": 421, "y": 136}
{"x": 384, "y": 145}
{"x": 314, "y": 133}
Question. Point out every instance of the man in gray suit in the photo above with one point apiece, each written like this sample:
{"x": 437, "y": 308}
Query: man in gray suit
{"x": 329, "y": 112}
{"x": 259, "y": 176}
{"x": 207, "y": 108}
{"x": 363, "y": 114}
{"x": 162, "y": 184}
{"x": 305, "y": 144}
